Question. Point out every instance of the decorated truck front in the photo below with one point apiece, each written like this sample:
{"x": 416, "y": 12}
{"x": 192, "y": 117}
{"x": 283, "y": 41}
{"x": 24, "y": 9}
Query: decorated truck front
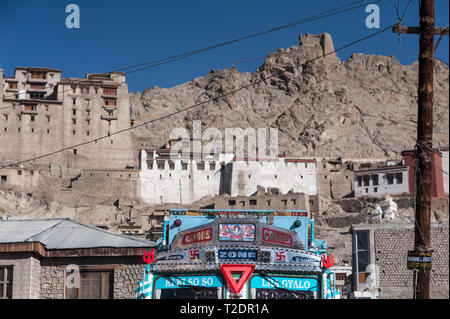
{"x": 251, "y": 254}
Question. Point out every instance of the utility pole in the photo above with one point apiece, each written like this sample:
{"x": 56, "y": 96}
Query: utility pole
{"x": 424, "y": 142}
{"x": 424, "y": 145}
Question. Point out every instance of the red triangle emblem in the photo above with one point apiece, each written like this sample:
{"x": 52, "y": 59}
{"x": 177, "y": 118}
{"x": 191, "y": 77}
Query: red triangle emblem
{"x": 245, "y": 269}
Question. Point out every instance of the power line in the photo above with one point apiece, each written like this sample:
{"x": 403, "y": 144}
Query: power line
{"x": 195, "y": 105}
{"x": 174, "y": 58}
{"x": 254, "y": 35}
{"x": 445, "y": 62}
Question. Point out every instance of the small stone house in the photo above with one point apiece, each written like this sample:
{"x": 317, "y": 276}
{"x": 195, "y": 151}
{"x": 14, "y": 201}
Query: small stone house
{"x": 66, "y": 259}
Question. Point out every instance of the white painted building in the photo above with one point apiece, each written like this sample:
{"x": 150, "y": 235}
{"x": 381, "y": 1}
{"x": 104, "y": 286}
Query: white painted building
{"x": 186, "y": 180}
{"x": 383, "y": 180}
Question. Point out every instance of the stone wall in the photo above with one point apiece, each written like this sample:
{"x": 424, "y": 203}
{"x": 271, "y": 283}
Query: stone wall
{"x": 395, "y": 280}
{"x": 334, "y": 179}
{"x": 52, "y": 282}
{"x": 127, "y": 272}
{"x": 125, "y": 279}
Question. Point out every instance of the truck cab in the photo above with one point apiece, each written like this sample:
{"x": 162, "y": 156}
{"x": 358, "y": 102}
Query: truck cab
{"x": 238, "y": 254}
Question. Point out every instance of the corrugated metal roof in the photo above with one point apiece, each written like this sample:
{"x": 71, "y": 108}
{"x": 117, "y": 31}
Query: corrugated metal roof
{"x": 65, "y": 234}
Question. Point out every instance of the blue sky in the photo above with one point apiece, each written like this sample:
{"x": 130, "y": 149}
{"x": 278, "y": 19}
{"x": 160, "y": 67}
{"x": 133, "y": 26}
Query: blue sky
{"x": 116, "y": 34}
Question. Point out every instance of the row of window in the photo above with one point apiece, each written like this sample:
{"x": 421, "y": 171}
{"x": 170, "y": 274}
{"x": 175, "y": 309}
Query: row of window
{"x": 390, "y": 177}
{"x": 106, "y": 91}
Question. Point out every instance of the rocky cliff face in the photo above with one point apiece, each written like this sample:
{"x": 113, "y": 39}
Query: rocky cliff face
{"x": 365, "y": 105}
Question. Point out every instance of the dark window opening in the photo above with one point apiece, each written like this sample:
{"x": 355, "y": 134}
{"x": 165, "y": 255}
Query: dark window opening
{"x": 390, "y": 179}
{"x": 399, "y": 177}
{"x": 6, "y": 282}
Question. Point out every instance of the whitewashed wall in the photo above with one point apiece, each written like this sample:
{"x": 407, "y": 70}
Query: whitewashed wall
{"x": 165, "y": 185}
{"x": 299, "y": 177}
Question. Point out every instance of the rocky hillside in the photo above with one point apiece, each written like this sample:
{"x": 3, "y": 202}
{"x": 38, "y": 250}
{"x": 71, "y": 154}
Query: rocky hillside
{"x": 365, "y": 105}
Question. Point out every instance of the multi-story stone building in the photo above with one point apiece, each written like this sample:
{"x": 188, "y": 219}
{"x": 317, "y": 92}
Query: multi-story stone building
{"x": 41, "y": 113}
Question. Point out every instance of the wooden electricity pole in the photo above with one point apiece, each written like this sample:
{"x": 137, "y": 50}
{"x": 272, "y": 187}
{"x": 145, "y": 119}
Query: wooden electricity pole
{"x": 424, "y": 151}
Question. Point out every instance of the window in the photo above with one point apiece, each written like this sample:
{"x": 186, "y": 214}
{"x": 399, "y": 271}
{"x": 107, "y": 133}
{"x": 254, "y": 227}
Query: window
{"x": 37, "y": 86}
{"x": 36, "y": 96}
{"x": 74, "y": 121}
{"x": 5, "y": 116}
{"x": 294, "y": 201}
{"x": 109, "y": 102}
{"x": 399, "y": 177}
{"x": 112, "y": 92}
{"x": 13, "y": 86}
{"x": 362, "y": 257}
{"x": 19, "y": 172}
{"x": 74, "y": 112}
{"x": 268, "y": 203}
{"x": 88, "y": 113}
{"x": 231, "y": 202}
{"x": 32, "y": 118}
{"x": 366, "y": 179}
{"x": 284, "y": 201}
{"x": 30, "y": 107}
{"x": 6, "y": 279}
{"x": 4, "y": 178}
{"x": 252, "y": 201}
{"x": 93, "y": 285}
{"x": 340, "y": 276}
{"x": 374, "y": 180}
{"x": 74, "y": 101}
{"x": 375, "y": 189}
{"x": 46, "y": 107}
{"x": 48, "y": 118}
{"x": 390, "y": 179}
{"x": 37, "y": 74}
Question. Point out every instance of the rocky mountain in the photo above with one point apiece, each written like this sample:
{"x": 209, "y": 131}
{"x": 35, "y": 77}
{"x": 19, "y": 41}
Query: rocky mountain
{"x": 365, "y": 105}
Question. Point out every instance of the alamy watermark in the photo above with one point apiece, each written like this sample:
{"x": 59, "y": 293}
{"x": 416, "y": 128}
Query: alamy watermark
{"x": 212, "y": 142}
{"x": 72, "y": 276}
{"x": 373, "y": 19}
{"x": 73, "y": 19}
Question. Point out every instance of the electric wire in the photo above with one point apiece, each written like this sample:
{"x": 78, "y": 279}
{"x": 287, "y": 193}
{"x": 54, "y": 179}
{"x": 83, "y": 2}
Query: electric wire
{"x": 174, "y": 58}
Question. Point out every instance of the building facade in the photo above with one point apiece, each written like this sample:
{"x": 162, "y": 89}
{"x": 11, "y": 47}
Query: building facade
{"x": 41, "y": 113}
{"x": 373, "y": 180}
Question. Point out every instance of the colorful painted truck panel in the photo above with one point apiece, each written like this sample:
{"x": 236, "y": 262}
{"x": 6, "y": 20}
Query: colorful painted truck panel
{"x": 248, "y": 254}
